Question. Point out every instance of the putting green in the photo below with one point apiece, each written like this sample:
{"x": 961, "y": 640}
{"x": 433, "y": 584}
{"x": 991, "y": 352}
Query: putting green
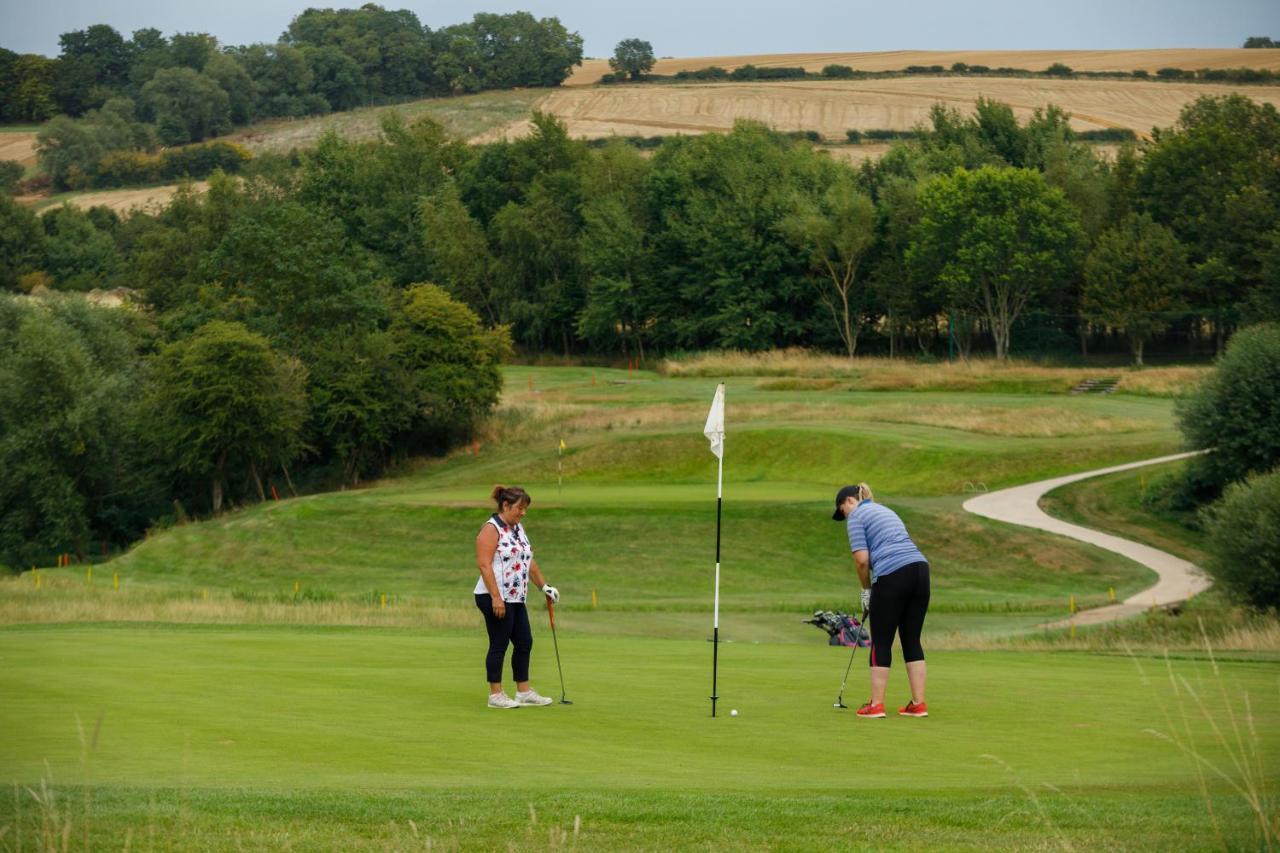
{"x": 336, "y": 712}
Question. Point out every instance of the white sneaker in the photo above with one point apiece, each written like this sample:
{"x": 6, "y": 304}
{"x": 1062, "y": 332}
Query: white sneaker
{"x": 531, "y": 697}
{"x": 502, "y": 700}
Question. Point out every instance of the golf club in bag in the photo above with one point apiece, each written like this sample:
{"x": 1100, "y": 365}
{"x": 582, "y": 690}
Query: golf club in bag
{"x": 551, "y": 614}
{"x": 840, "y": 699}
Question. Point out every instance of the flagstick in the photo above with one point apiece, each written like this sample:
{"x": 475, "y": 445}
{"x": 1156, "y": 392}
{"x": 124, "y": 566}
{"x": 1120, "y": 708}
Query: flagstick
{"x": 715, "y": 637}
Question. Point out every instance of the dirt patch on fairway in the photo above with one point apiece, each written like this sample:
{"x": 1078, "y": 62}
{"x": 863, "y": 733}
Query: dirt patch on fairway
{"x": 18, "y": 146}
{"x": 833, "y": 107}
{"x": 1032, "y": 60}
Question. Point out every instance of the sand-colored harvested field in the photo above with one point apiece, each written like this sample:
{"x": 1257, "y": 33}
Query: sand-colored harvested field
{"x": 121, "y": 201}
{"x": 833, "y": 107}
{"x": 1032, "y": 60}
{"x": 18, "y": 146}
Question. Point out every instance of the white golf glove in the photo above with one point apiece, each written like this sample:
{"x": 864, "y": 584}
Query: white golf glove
{"x": 866, "y": 600}
{"x": 552, "y": 594}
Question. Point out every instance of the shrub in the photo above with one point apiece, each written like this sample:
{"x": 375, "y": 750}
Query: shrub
{"x": 1236, "y": 411}
{"x": 838, "y": 72}
{"x": 122, "y": 168}
{"x": 1058, "y": 69}
{"x": 808, "y": 135}
{"x": 1141, "y": 73}
{"x": 959, "y": 67}
{"x": 854, "y": 136}
{"x": 200, "y": 161}
{"x": 979, "y": 69}
{"x": 1244, "y": 540}
{"x": 753, "y": 72}
{"x": 11, "y": 172}
{"x": 713, "y": 72}
{"x": 1173, "y": 74}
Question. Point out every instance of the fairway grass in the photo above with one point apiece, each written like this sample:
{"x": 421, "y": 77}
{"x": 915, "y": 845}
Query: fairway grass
{"x": 342, "y": 736}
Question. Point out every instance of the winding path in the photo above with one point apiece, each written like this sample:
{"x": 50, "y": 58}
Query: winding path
{"x": 1178, "y": 579}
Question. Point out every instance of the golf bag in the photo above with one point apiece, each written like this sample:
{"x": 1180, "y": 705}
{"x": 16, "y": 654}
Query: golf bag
{"x": 843, "y": 629}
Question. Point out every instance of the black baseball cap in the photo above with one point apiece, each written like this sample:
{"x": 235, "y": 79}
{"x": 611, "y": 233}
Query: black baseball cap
{"x": 841, "y": 496}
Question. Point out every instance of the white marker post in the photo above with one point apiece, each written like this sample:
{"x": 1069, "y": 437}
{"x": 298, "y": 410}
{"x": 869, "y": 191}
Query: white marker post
{"x": 714, "y": 431}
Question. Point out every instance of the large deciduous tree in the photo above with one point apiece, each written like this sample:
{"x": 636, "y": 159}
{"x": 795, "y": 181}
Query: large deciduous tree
{"x": 995, "y": 240}
{"x": 222, "y": 401}
{"x": 836, "y": 229}
{"x": 1134, "y": 280}
{"x": 633, "y": 57}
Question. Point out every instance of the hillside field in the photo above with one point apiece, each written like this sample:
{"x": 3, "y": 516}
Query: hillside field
{"x": 305, "y": 673}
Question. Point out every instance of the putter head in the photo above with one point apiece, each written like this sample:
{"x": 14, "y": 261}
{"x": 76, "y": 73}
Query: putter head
{"x": 839, "y": 704}
{"x": 564, "y": 701}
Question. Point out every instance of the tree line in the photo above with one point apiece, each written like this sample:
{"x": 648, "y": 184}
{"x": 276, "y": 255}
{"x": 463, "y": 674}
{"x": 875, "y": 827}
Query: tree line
{"x": 363, "y": 295}
{"x": 188, "y": 87}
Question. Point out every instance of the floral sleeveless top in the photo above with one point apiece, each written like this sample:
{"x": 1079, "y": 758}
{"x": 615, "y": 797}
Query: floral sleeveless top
{"x": 511, "y": 561}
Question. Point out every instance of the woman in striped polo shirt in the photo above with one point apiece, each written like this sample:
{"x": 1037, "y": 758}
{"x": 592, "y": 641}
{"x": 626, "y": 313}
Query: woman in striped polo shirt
{"x": 895, "y": 588}
{"x": 505, "y": 560}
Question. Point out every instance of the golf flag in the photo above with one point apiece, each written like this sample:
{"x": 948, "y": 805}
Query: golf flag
{"x": 714, "y": 430}
{"x": 562, "y": 445}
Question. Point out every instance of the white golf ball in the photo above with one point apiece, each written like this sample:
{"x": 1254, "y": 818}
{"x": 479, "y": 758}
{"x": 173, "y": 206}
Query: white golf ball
{"x": 733, "y": 713}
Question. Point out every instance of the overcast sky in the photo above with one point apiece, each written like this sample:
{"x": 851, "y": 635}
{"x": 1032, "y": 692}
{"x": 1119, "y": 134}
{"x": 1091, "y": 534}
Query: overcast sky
{"x": 714, "y": 27}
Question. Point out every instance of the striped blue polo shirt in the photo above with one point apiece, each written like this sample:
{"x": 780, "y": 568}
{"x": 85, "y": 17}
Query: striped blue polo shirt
{"x": 878, "y": 529}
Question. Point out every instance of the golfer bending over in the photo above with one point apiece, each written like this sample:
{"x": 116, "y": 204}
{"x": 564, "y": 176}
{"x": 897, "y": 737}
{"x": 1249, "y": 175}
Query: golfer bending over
{"x": 505, "y": 560}
{"x": 895, "y": 587}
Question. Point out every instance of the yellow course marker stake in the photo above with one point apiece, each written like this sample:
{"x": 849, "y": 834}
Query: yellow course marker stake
{"x": 1073, "y": 629}
{"x": 88, "y": 575}
{"x": 115, "y": 580}
{"x": 384, "y": 599}
{"x": 1071, "y": 605}
{"x": 1111, "y": 593}
{"x": 297, "y": 585}
{"x": 594, "y": 601}
{"x": 204, "y": 593}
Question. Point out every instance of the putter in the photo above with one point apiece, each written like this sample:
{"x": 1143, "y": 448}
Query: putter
{"x": 839, "y": 703}
{"x": 551, "y": 614}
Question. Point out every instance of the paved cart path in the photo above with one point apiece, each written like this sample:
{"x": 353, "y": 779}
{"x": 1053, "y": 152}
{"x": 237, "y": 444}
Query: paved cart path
{"x": 1178, "y": 579}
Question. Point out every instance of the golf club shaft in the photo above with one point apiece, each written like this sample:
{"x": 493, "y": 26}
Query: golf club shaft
{"x": 852, "y": 654}
{"x": 551, "y": 614}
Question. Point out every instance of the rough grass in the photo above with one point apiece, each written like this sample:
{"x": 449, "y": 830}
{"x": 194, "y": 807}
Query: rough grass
{"x": 806, "y": 370}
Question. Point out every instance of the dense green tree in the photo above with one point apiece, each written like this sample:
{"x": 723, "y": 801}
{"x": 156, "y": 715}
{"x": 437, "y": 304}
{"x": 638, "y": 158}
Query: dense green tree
{"x": 337, "y": 76}
{"x": 242, "y": 96}
{"x": 633, "y": 57}
{"x": 282, "y": 79}
{"x": 1213, "y": 179}
{"x": 192, "y": 50}
{"x": 27, "y": 93}
{"x": 836, "y": 229}
{"x": 1134, "y": 280}
{"x": 391, "y": 49}
{"x": 222, "y": 401}
{"x": 78, "y": 255}
{"x": 452, "y": 365}
{"x": 617, "y": 252}
{"x": 361, "y": 401}
{"x": 300, "y": 276}
{"x": 187, "y": 106}
{"x": 69, "y": 150}
{"x": 458, "y": 252}
{"x": 93, "y": 66}
{"x": 995, "y": 240}
{"x": 72, "y": 466}
{"x": 22, "y": 242}
{"x": 1236, "y": 412}
{"x": 1244, "y": 540}
{"x": 728, "y": 275}
{"x": 520, "y": 50}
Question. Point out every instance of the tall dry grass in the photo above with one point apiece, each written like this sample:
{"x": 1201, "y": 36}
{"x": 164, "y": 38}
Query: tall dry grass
{"x": 883, "y": 374}
{"x": 61, "y": 601}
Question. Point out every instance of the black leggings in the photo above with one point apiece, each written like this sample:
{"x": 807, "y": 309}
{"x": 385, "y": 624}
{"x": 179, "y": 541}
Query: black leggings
{"x": 899, "y": 601}
{"x": 513, "y": 629}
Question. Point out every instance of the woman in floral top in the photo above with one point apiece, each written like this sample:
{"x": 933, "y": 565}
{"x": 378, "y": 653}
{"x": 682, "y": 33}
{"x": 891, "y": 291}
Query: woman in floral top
{"x": 505, "y": 560}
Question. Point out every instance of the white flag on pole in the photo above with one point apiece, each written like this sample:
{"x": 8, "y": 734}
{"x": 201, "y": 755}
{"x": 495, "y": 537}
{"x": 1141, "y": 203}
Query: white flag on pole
{"x": 714, "y": 430}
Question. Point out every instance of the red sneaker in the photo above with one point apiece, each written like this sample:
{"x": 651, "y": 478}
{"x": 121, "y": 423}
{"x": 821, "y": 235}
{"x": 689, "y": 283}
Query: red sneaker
{"x": 869, "y": 710}
{"x": 911, "y": 709}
